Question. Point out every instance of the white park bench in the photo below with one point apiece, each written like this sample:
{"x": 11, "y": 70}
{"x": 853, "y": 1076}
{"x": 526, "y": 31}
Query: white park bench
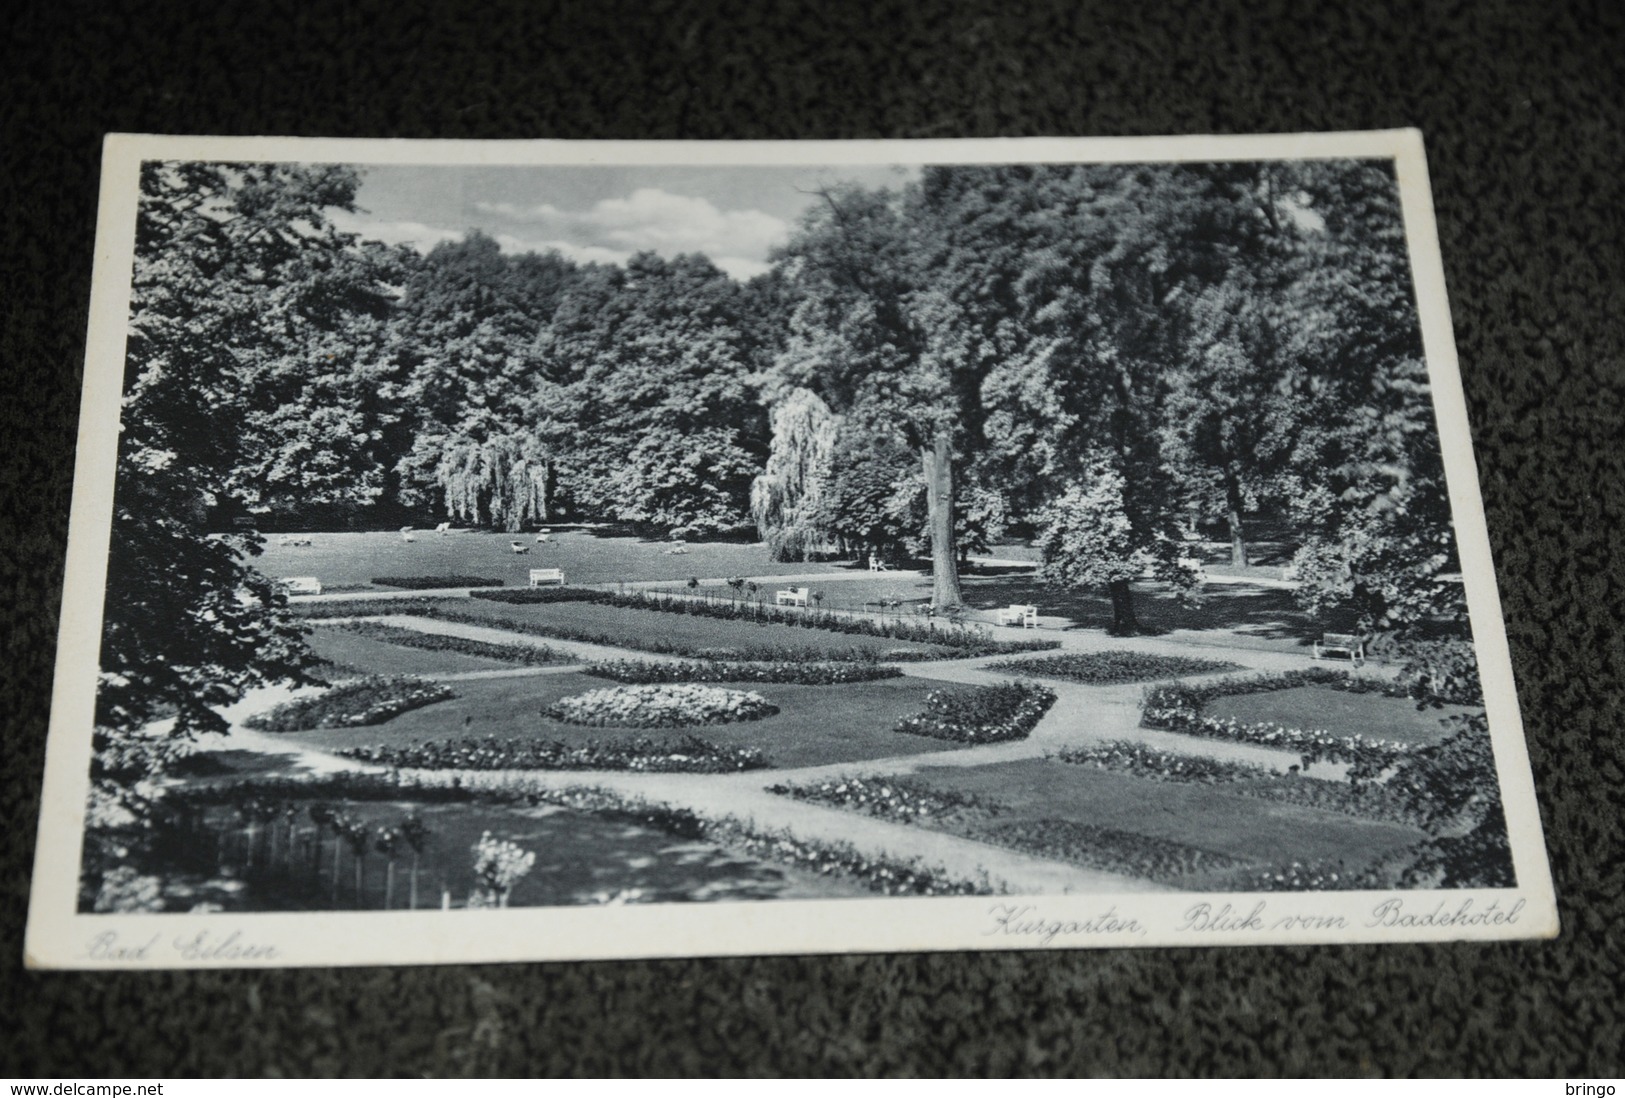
{"x": 539, "y": 576}
{"x": 792, "y": 596}
{"x": 1017, "y": 614}
{"x": 1347, "y": 643}
{"x": 302, "y": 585}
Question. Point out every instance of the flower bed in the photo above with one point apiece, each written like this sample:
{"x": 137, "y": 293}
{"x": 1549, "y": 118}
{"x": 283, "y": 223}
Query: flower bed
{"x": 1365, "y": 800}
{"x": 661, "y": 706}
{"x": 532, "y": 655}
{"x": 964, "y": 641}
{"x": 1107, "y": 668}
{"x": 689, "y": 755}
{"x": 986, "y": 714}
{"x": 429, "y": 583}
{"x": 1177, "y": 707}
{"x": 366, "y": 701}
{"x": 822, "y": 673}
{"x": 1108, "y": 848}
{"x": 893, "y": 799}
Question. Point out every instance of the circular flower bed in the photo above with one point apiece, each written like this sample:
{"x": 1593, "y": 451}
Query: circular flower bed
{"x": 663, "y": 705}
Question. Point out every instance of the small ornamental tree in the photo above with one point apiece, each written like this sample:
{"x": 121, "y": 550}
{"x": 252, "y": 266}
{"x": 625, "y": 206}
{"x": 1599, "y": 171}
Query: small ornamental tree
{"x": 415, "y": 833}
{"x": 498, "y": 866}
{"x": 1089, "y": 540}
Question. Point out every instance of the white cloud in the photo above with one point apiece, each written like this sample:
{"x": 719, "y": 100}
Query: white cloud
{"x": 650, "y": 219}
{"x": 415, "y": 233}
{"x": 580, "y": 253}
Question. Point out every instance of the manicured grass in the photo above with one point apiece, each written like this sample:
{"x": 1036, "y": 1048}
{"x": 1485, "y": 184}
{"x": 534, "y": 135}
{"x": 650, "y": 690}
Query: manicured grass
{"x": 352, "y": 560}
{"x": 653, "y": 629}
{"x": 815, "y": 724}
{"x": 372, "y": 657}
{"x": 1250, "y": 831}
{"x": 1339, "y": 712}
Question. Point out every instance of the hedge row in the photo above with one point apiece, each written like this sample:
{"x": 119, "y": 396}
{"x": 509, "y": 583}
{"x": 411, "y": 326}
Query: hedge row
{"x": 821, "y": 673}
{"x": 1245, "y": 779}
{"x": 689, "y": 755}
{"x": 531, "y": 655}
{"x": 965, "y": 642}
{"x": 1108, "y": 668}
{"x": 429, "y": 583}
{"x": 1177, "y": 707}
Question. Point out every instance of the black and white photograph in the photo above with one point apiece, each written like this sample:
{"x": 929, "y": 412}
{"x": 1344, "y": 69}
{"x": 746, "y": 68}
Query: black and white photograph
{"x": 522, "y": 551}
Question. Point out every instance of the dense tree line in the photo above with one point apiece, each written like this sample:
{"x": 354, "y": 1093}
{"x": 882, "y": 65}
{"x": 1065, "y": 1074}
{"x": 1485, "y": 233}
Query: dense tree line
{"x": 1100, "y": 356}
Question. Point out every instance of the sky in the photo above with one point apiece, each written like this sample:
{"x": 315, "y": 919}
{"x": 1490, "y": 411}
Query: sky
{"x": 734, "y": 215}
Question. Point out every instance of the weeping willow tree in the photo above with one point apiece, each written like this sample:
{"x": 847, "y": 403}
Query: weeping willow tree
{"x": 786, "y": 499}
{"x": 499, "y": 478}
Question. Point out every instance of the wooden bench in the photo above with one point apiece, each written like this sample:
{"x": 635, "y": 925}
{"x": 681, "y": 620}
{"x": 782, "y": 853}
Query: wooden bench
{"x": 539, "y": 576}
{"x": 1348, "y": 644}
{"x": 302, "y": 585}
{"x": 792, "y": 596}
{"x": 1017, "y": 614}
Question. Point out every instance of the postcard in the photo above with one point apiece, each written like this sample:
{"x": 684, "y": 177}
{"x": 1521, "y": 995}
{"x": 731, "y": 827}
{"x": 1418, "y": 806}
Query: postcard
{"x": 514, "y": 551}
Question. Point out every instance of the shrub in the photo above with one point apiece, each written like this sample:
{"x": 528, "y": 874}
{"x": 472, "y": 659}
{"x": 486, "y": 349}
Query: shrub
{"x": 1442, "y": 672}
{"x": 1105, "y": 668}
{"x": 822, "y": 673}
{"x": 986, "y": 714}
{"x": 661, "y": 706}
{"x": 427, "y": 583}
{"x": 533, "y": 655}
{"x": 689, "y": 755}
{"x": 371, "y": 700}
{"x": 892, "y": 799}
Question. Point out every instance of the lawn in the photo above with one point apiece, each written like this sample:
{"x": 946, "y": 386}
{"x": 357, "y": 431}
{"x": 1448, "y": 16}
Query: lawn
{"x": 1250, "y": 831}
{"x": 647, "y": 629}
{"x": 815, "y": 725}
{"x": 353, "y": 654}
{"x": 1339, "y": 712}
{"x": 353, "y": 560}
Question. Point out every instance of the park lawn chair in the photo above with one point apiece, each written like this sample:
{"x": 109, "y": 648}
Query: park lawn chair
{"x": 792, "y": 596}
{"x": 406, "y": 534}
{"x": 543, "y": 536}
{"x": 1349, "y": 644}
{"x": 519, "y": 547}
{"x": 302, "y": 585}
{"x": 443, "y": 529}
{"x": 877, "y": 565}
{"x": 540, "y": 576}
{"x": 1018, "y": 614}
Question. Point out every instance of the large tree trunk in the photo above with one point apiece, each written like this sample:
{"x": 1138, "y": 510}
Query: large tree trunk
{"x": 1124, "y": 623}
{"x": 937, "y": 461}
{"x": 1233, "y": 501}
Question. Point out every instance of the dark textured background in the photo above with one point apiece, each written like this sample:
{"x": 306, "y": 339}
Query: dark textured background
{"x": 1521, "y": 105}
